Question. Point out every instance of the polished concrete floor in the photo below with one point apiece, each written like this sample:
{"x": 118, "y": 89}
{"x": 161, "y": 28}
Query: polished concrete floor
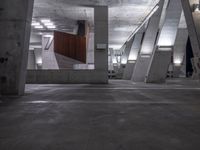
{"x": 119, "y": 116}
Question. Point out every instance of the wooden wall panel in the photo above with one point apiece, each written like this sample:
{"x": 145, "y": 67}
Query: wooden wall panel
{"x": 72, "y": 46}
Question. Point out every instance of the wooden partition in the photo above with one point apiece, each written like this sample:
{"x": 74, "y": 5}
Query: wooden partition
{"x": 71, "y": 46}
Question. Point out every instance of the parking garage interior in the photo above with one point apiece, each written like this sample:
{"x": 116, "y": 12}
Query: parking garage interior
{"x": 99, "y": 75}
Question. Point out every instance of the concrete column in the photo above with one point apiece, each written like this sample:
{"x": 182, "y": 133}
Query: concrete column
{"x": 150, "y": 37}
{"x": 101, "y": 40}
{"x": 161, "y": 57}
{"x": 15, "y": 20}
{"x": 179, "y": 51}
{"x": 192, "y": 16}
{"x": 133, "y": 56}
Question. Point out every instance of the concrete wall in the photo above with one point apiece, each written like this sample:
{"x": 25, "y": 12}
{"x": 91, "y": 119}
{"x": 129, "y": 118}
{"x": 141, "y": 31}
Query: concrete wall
{"x": 66, "y": 76}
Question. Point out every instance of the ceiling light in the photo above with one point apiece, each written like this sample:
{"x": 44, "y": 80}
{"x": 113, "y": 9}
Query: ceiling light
{"x": 48, "y": 36}
{"x": 45, "y": 20}
{"x": 39, "y": 27}
{"x": 35, "y": 24}
{"x": 49, "y": 24}
{"x": 51, "y": 27}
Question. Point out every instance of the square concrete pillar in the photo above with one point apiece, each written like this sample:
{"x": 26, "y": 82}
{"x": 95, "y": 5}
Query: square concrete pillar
{"x": 15, "y": 20}
{"x": 101, "y": 40}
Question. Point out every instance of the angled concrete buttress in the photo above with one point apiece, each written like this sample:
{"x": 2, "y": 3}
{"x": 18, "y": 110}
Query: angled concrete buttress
{"x": 132, "y": 57}
{"x": 127, "y": 50}
{"x": 125, "y": 55}
{"x": 192, "y": 16}
{"x": 101, "y": 40}
{"x": 161, "y": 58}
{"x": 179, "y": 52}
{"x": 149, "y": 40}
{"x": 15, "y": 20}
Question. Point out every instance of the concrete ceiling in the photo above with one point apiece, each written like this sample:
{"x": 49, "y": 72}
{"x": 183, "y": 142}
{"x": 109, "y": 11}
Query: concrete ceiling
{"x": 124, "y": 15}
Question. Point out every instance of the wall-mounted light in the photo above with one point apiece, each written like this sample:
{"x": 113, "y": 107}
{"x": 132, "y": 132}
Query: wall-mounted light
{"x": 145, "y": 56}
{"x": 133, "y": 57}
{"x": 165, "y": 48}
{"x": 132, "y": 61}
{"x": 39, "y": 61}
{"x": 177, "y": 62}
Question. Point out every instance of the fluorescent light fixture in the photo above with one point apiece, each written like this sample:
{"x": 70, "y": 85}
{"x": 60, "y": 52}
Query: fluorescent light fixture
{"x": 35, "y": 24}
{"x": 51, "y": 27}
{"x": 45, "y": 20}
{"x": 49, "y": 24}
{"x": 48, "y": 36}
{"x": 38, "y": 27}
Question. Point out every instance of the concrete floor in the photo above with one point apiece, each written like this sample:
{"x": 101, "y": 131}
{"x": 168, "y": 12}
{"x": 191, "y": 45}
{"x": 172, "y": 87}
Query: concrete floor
{"x": 118, "y": 116}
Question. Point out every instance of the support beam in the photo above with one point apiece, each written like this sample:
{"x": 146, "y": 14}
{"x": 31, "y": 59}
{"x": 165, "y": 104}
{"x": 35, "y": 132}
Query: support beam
{"x": 192, "y": 15}
{"x": 179, "y": 52}
{"x": 101, "y": 40}
{"x": 15, "y": 20}
{"x": 161, "y": 57}
{"x": 133, "y": 55}
{"x": 150, "y": 37}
